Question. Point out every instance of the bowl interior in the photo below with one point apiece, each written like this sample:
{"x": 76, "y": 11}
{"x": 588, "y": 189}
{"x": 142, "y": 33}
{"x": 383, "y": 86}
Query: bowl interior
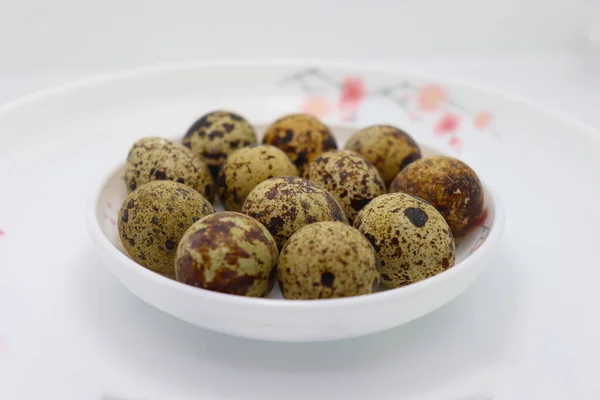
{"x": 113, "y": 194}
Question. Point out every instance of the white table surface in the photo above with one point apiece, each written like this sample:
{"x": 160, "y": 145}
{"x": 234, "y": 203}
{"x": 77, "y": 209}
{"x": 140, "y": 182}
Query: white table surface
{"x": 569, "y": 84}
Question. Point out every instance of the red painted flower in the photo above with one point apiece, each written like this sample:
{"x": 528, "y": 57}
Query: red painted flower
{"x": 448, "y": 123}
{"x": 353, "y": 93}
{"x": 431, "y": 97}
{"x": 482, "y": 120}
{"x": 482, "y": 218}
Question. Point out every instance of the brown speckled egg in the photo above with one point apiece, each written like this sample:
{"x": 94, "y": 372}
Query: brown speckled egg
{"x": 349, "y": 177}
{"x": 245, "y": 168}
{"x": 154, "y": 158}
{"x": 302, "y": 137}
{"x": 228, "y": 252}
{"x": 411, "y": 238}
{"x": 327, "y": 260}
{"x": 449, "y": 185}
{"x": 216, "y": 135}
{"x": 388, "y": 148}
{"x": 153, "y": 219}
{"x": 286, "y": 204}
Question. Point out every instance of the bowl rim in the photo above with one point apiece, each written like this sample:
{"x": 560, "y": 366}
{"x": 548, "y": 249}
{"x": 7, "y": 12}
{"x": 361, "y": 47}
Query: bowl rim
{"x": 103, "y": 242}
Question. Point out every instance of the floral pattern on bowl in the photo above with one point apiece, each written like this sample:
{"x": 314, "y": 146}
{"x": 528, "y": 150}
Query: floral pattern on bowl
{"x": 341, "y": 98}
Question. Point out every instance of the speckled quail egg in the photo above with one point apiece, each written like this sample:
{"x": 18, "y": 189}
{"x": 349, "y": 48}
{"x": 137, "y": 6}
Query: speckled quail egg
{"x": 327, "y": 260}
{"x": 153, "y": 219}
{"x": 286, "y": 204}
{"x": 411, "y": 238}
{"x": 388, "y": 148}
{"x": 449, "y": 185}
{"x": 228, "y": 252}
{"x": 245, "y": 168}
{"x": 154, "y": 158}
{"x": 216, "y": 135}
{"x": 302, "y": 137}
{"x": 349, "y": 177}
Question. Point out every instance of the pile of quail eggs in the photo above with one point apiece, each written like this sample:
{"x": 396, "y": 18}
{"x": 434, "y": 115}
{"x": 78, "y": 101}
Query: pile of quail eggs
{"x": 320, "y": 222}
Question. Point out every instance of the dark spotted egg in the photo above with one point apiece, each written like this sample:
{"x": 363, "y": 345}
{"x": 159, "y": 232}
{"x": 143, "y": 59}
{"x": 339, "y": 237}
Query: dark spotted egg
{"x": 153, "y": 158}
{"x": 349, "y": 177}
{"x": 154, "y": 217}
{"x": 286, "y": 204}
{"x": 228, "y": 252}
{"x": 388, "y": 148}
{"x": 245, "y": 168}
{"x": 411, "y": 238}
{"x": 449, "y": 185}
{"x": 327, "y": 260}
{"x": 302, "y": 137}
{"x": 216, "y": 135}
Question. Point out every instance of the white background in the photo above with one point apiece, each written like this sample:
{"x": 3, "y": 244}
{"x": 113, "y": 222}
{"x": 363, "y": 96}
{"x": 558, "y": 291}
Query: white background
{"x": 538, "y": 49}
{"x": 63, "y": 35}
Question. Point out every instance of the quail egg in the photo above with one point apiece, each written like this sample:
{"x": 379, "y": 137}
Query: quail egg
{"x": 216, "y": 135}
{"x": 153, "y": 219}
{"x": 449, "y": 185}
{"x": 327, "y": 260}
{"x": 286, "y": 204}
{"x": 245, "y": 168}
{"x": 302, "y": 137}
{"x": 388, "y": 148}
{"x": 411, "y": 238}
{"x": 228, "y": 252}
{"x": 349, "y": 177}
{"x": 154, "y": 158}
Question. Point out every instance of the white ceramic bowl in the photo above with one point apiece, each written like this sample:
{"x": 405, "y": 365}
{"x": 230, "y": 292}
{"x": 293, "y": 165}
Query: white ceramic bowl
{"x": 286, "y": 320}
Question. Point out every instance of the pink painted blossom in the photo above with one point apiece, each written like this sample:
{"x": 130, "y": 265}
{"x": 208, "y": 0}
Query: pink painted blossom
{"x": 2, "y": 233}
{"x": 448, "y": 123}
{"x": 352, "y": 94}
{"x": 431, "y": 97}
{"x": 317, "y": 106}
{"x": 353, "y": 90}
{"x": 455, "y": 142}
{"x": 482, "y": 119}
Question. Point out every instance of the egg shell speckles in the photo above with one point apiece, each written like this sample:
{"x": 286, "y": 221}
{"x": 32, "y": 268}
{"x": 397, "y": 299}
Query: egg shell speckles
{"x": 388, "y": 148}
{"x": 302, "y": 137}
{"x": 349, "y": 177}
{"x": 286, "y": 204}
{"x": 228, "y": 252}
{"x": 216, "y": 135}
{"x": 152, "y": 158}
{"x": 411, "y": 238}
{"x": 327, "y": 260}
{"x": 245, "y": 168}
{"x": 153, "y": 219}
{"x": 449, "y": 185}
